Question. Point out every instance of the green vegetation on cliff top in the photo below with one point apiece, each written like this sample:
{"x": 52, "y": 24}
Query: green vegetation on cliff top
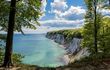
{"x": 68, "y": 34}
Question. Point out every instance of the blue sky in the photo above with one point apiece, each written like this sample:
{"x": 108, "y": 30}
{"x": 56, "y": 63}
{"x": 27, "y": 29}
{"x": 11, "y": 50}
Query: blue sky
{"x": 54, "y": 5}
{"x": 61, "y": 14}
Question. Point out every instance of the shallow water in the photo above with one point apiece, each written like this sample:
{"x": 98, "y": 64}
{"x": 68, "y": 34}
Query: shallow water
{"x": 38, "y": 50}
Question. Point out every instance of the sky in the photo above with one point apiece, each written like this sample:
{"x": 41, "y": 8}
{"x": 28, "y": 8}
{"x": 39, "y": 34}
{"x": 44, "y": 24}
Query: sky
{"x": 60, "y": 14}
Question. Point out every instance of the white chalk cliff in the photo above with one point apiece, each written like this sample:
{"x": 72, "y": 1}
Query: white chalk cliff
{"x": 72, "y": 47}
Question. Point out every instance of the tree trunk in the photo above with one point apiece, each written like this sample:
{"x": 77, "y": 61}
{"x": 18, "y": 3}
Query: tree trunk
{"x": 109, "y": 2}
{"x": 9, "y": 40}
{"x": 95, "y": 26}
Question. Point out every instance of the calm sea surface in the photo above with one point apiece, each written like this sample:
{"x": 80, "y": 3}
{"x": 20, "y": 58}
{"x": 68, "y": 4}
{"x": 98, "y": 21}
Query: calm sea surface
{"x": 38, "y": 50}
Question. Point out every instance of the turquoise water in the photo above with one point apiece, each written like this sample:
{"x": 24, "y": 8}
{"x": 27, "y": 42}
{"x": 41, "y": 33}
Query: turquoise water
{"x": 38, "y": 50}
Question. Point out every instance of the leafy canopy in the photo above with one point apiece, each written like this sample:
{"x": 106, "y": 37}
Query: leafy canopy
{"x": 27, "y": 14}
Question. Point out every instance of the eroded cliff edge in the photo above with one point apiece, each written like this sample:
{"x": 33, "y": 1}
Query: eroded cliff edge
{"x": 71, "y": 40}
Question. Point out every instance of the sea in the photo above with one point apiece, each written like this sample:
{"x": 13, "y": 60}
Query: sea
{"x": 38, "y": 50}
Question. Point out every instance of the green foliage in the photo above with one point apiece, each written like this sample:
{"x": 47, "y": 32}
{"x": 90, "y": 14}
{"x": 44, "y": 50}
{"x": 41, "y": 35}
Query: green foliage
{"x": 17, "y": 58}
{"x": 2, "y": 37}
{"x": 104, "y": 36}
{"x": 88, "y": 33}
{"x": 27, "y": 12}
{"x": 103, "y": 31}
{"x": 1, "y": 55}
{"x": 68, "y": 34}
{"x": 103, "y": 28}
{"x": 105, "y": 4}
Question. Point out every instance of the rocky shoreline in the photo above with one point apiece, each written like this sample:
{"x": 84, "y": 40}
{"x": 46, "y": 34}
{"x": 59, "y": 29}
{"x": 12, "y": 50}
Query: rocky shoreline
{"x": 73, "y": 48}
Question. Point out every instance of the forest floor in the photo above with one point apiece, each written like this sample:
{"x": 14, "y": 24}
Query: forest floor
{"x": 93, "y": 65}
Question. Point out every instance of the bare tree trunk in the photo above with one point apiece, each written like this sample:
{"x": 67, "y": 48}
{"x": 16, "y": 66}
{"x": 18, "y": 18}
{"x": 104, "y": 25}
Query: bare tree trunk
{"x": 9, "y": 41}
{"x": 109, "y": 2}
{"x": 95, "y": 26}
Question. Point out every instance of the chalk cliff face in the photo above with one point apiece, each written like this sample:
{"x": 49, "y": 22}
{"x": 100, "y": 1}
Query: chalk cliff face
{"x": 72, "y": 46}
{"x": 58, "y": 38}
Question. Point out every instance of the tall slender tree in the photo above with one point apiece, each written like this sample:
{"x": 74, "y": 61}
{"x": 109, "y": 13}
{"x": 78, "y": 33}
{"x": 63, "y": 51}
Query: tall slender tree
{"x": 109, "y": 2}
{"x": 8, "y": 51}
{"x": 21, "y": 13}
{"x": 90, "y": 28}
{"x": 95, "y": 24}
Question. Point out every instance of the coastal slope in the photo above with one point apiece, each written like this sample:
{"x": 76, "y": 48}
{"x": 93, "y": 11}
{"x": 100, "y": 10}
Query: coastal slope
{"x": 71, "y": 40}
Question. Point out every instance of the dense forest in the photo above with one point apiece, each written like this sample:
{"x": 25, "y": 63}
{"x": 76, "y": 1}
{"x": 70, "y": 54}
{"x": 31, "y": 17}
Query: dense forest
{"x": 95, "y": 33}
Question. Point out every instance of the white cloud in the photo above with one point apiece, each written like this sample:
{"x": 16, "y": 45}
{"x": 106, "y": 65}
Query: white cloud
{"x": 105, "y": 11}
{"x": 59, "y": 4}
{"x": 73, "y": 10}
{"x": 62, "y": 23}
{"x": 57, "y": 12}
{"x": 62, "y": 14}
{"x": 50, "y": 25}
{"x": 39, "y": 30}
{"x": 61, "y": 10}
{"x": 44, "y": 3}
{"x": 43, "y": 8}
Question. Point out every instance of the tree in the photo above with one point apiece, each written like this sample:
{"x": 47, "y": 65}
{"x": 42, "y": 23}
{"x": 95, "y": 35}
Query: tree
{"x": 104, "y": 37}
{"x": 96, "y": 29}
{"x": 8, "y": 51}
{"x": 26, "y": 11}
{"x": 109, "y": 2}
{"x": 90, "y": 27}
{"x": 93, "y": 21}
{"x": 21, "y": 14}
{"x": 95, "y": 24}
